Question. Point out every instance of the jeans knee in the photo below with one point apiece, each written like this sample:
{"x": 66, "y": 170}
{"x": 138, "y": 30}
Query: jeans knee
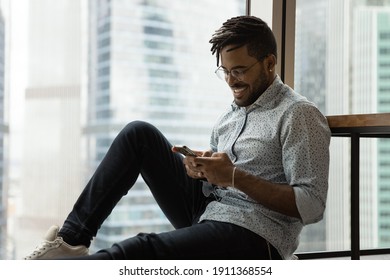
{"x": 141, "y": 130}
{"x": 139, "y": 136}
{"x": 137, "y": 126}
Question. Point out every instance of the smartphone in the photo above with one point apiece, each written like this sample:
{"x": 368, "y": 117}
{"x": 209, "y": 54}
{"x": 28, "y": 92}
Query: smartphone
{"x": 185, "y": 151}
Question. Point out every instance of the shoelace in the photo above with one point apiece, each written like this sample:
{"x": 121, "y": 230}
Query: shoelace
{"x": 44, "y": 246}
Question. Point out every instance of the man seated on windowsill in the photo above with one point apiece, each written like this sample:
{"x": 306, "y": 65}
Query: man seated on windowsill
{"x": 248, "y": 197}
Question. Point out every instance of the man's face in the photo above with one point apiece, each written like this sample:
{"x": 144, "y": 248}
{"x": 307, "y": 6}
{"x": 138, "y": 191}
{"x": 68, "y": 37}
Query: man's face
{"x": 256, "y": 79}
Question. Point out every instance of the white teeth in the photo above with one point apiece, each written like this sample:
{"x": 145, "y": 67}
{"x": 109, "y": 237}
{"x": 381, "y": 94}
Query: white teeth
{"x": 239, "y": 90}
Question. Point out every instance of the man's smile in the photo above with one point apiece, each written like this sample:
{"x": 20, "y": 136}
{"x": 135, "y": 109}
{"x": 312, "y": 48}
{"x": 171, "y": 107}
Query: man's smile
{"x": 238, "y": 91}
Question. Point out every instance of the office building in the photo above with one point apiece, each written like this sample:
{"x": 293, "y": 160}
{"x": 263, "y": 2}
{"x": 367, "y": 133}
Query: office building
{"x": 370, "y": 93}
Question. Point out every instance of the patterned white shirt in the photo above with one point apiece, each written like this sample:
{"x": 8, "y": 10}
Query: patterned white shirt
{"x": 282, "y": 138}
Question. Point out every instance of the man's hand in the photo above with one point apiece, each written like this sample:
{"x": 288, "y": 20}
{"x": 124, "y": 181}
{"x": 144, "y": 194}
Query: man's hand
{"x": 216, "y": 168}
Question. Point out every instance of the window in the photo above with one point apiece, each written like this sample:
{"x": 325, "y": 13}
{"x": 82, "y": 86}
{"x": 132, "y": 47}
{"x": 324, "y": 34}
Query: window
{"x": 342, "y": 64}
{"x": 83, "y": 70}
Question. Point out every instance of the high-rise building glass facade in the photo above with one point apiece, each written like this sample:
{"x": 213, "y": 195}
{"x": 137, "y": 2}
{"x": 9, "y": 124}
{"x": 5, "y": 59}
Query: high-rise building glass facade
{"x": 383, "y": 103}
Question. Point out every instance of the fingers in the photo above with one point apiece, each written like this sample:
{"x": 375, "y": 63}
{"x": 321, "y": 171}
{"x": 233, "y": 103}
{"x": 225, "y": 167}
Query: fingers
{"x": 193, "y": 169}
{"x": 207, "y": 154}
{"x": 194, "y": 173}
{"x": 213, "y": 168}
{"x": 213, "y": 158}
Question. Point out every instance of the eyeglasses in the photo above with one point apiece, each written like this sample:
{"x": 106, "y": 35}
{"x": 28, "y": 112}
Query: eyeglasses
{"x": 239, "y": 74}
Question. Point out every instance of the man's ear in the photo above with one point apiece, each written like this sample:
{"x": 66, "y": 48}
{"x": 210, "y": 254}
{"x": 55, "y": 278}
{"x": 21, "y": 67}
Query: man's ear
{"x": 270, "y": 62}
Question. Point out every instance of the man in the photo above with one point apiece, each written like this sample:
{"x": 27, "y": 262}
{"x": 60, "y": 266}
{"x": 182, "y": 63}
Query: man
{"x": 248, "y": 197}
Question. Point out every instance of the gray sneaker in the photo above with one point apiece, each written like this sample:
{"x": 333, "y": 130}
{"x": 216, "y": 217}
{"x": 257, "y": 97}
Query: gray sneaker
{"x": 54, "y": 247}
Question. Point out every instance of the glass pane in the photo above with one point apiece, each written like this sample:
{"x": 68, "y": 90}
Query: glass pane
{"x": 342, "y": 63}
{"x": 81, "y": 70}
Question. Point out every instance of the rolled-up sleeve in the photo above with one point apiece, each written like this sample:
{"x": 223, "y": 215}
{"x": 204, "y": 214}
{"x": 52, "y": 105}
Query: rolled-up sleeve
{"x": 305, "y": 140}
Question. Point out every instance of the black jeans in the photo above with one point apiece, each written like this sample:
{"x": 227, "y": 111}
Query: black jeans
{"x": 142, "y": 149}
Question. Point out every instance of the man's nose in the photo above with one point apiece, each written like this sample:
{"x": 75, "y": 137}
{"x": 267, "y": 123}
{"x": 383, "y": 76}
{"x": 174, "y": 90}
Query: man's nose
{"x": 230, "y": 79}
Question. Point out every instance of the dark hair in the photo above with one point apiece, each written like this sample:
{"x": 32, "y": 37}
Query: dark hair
{"x": 245, "y": 30}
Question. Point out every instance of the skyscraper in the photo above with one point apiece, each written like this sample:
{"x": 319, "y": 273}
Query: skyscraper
{"x": 371, "y": 89}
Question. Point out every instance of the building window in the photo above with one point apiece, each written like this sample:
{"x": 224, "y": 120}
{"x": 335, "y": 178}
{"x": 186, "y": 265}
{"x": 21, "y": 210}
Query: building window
{"x": 341, "y": 64}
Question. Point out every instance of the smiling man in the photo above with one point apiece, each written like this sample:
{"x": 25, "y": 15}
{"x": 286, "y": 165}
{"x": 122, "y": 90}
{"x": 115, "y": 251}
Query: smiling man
{"x": 246, "y": 82}
{"x": 264, "y": 177}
